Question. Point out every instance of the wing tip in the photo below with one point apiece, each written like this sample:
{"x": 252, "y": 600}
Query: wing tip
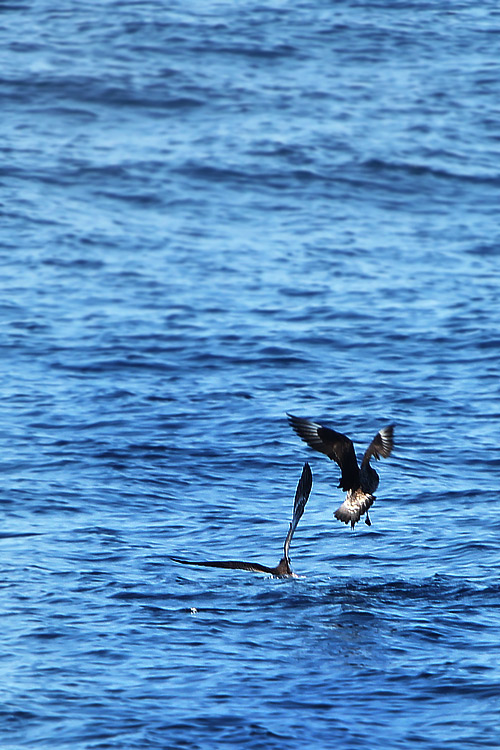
{"x": 387, "y": 438}
{"x": 307, "y": 475}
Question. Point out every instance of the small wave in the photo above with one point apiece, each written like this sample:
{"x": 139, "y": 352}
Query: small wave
{"x": 425, "y": 169}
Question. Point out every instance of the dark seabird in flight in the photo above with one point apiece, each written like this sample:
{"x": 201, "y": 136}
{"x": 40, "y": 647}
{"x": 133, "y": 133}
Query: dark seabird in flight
{"x": 359, "y": 483}
{"x": 282, "y": 569}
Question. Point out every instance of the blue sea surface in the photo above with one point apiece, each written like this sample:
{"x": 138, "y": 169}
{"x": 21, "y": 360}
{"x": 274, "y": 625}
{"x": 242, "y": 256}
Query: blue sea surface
{"x": 212, "y": 214}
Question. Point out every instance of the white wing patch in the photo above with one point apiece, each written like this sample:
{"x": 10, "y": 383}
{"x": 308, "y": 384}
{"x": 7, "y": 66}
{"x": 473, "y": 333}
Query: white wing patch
{"x": 387, "y": 440}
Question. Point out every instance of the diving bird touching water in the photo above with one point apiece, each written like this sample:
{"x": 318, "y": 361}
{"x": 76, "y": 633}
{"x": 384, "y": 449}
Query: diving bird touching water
{"x": 282, "y": 569}
{"x": 358, "y": 482}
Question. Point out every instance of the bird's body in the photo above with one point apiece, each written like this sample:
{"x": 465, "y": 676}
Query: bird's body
{"x": 359, "y": 482}
{"x": 283, "y": 568}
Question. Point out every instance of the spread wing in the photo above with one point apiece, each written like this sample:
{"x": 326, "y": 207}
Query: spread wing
{"x": 333, "y": 444}
{"x": 230, "y": 564}
{"x": 381, "y": 445}
{"x": 301, "y": 497}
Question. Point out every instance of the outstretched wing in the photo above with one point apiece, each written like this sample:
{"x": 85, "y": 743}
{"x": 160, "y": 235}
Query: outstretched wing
{"x": 230, "y": 564}
{"x": 333, "y": 444}
{"x": 381, "y": 445}
{"x": 301, "y": 497}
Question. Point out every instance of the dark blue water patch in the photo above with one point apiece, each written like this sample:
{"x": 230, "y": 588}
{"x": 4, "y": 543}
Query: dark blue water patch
{"x": 133, "y": 363}
{"x": 486, "y": 249}
{"x": 66, "y": 113}
{"x": 417, "y": 170}
{"x": 77, "y": 264}
{"x": 72, "y": 92}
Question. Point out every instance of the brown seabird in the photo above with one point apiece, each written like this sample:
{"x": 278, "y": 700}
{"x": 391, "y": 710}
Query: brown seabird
{"x": 282, "y": 569}
{"x": 359, "y": 483}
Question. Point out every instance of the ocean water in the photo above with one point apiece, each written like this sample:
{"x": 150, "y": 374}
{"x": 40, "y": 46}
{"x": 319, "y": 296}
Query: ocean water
{"x": 213, "y": 213}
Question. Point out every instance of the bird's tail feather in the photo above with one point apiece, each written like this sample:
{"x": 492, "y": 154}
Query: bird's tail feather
{"x": 354, "y": 506}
